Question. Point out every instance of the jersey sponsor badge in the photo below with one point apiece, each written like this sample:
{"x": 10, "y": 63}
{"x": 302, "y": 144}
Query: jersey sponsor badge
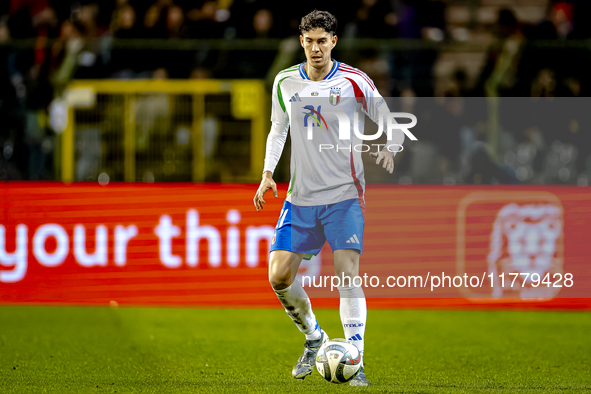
{"x": 314, "y": 94}
{"x": 335, "y": 96}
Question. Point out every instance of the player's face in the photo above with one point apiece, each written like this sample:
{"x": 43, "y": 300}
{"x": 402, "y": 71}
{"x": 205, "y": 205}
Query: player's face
{"x": 318, "y": 44}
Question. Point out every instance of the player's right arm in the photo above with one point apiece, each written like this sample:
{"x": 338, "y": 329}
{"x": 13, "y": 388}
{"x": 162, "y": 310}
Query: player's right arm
{"x": 275, "y": 144}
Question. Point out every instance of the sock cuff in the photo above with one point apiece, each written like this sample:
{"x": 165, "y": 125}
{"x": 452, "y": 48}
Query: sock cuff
{"x": 351, "y": 291}
{"x": 283, "y": 291}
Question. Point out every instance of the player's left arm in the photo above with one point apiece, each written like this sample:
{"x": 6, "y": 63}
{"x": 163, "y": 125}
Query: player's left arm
{"x": 377, "y": 109}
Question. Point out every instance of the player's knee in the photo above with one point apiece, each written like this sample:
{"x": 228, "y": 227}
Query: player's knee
{"x": 346, "y": 277}
{"x": 280, "y": 282}
{"x": 347, "y": 270}
{"x": 279, "y": 274}
{"x": 347, "y": 264}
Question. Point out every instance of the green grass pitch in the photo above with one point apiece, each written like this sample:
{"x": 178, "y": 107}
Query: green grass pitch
{"x": 90, "y": 349}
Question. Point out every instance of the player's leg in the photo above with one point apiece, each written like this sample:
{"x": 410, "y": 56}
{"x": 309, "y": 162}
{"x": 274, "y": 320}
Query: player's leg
{"x": 353, "y": 307}
{"x": 344, "y": 225}
{"x": 290, "y": 240}
{"x": 283, "y": 267}
{"x": 296, "y": 234}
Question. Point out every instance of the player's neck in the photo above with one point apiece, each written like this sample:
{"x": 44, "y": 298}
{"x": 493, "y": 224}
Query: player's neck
{"x": 316, "y": 74}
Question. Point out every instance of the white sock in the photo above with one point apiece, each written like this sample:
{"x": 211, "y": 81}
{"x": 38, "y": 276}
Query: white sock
{"x": 353, "y": 315}
{"x": 297, "y": 305}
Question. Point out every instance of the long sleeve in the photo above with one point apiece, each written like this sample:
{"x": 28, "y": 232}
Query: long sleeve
{"x": 279, "y": 128}
{"x": 275, "y": 144}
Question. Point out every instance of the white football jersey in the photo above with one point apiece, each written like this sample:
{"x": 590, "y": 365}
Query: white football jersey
{"x": 320, "y": 174}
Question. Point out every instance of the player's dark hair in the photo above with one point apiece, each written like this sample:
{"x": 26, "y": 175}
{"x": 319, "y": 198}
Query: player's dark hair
{"x": 319, "y": 19}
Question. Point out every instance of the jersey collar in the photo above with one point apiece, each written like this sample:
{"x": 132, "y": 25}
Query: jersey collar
{"x": 330, "y": 74}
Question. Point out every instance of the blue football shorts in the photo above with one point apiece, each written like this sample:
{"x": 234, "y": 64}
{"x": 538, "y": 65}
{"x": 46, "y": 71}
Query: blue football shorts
{"x": 306, "y": 229}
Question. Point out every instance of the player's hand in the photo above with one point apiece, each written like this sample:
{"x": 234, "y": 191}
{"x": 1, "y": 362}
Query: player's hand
{"x": 386, "y": 157}
{"x": 266, "y": 184}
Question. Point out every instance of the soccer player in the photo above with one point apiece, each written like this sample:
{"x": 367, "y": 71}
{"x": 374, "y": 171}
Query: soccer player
{"x": 325, "y": 198}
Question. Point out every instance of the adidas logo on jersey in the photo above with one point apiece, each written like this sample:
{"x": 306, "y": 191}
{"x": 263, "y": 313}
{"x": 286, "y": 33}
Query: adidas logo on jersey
{"x": 295, "y": 97}
{"x": 353, "y": 240}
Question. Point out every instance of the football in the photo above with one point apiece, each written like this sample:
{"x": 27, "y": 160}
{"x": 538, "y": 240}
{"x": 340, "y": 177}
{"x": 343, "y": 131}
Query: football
{"x": 338, "y": 361}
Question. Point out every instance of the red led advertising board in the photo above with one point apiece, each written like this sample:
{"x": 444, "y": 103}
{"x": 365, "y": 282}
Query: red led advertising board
{"x": 206, "y": 245}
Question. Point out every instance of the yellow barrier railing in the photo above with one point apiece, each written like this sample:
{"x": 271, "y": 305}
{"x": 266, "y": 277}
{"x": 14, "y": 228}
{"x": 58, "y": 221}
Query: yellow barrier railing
{"x": 165, "y": 130}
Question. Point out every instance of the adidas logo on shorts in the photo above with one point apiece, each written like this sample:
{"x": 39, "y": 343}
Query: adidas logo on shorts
{"x": 353, "y": 240}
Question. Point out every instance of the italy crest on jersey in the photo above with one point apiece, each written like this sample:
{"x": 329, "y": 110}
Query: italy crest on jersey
{"x": 335, "y": 96}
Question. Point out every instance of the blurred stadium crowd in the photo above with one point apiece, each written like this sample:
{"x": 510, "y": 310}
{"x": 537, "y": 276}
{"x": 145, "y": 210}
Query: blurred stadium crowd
{"x": 448, "y": 59}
